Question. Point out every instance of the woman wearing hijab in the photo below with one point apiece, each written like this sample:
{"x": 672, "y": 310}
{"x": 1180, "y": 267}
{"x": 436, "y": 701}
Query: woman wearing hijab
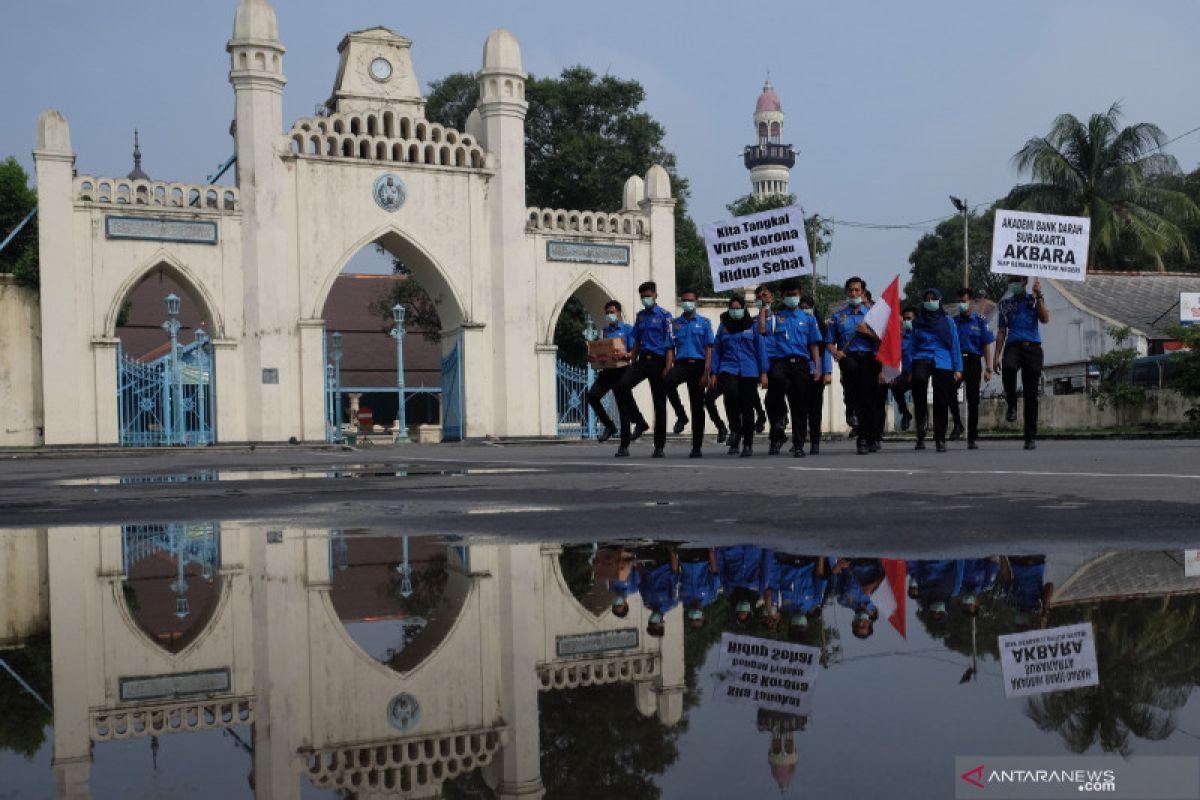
{"x": 935, "y": 356}
{"x": 738, "y": 365}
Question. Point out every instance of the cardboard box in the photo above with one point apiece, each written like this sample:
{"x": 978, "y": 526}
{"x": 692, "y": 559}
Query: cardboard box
{"x": 607, "y": 353}
{"x": 612, "y": 563}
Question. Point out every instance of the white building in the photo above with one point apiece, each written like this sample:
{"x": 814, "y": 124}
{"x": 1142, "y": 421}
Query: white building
{"x": 261, "y": 254}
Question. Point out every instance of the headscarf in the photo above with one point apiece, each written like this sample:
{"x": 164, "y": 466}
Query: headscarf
{"x": 736, "y": 325}
{"x": 934, "y": 321}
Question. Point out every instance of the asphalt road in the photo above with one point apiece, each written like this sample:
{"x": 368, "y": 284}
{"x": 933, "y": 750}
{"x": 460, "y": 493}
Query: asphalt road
{"x": 1109, "y": 493}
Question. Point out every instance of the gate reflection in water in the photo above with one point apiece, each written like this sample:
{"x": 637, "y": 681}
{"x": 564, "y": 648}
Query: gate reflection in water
{"x": 536, "y": 667}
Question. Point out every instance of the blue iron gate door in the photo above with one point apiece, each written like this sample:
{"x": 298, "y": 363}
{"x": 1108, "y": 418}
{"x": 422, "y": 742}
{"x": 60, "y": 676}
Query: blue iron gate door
{"x": 574, "y": 416}
{"x": 167, "y": 401}
{"x": 453, "y": 428}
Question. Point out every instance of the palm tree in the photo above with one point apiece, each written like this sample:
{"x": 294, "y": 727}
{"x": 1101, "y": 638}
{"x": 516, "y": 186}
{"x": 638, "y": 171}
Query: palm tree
{"x": 1111, "y": 174}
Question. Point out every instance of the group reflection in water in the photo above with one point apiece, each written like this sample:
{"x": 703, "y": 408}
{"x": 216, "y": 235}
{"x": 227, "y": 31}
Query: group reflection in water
{"x": 493, "y": 670}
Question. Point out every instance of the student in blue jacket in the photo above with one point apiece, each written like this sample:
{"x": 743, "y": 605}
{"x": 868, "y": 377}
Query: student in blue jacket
{"x": 739, "y": 365}
{"x": 699, "y": 582}
{"x": 936, "y": 357}
{"x": 816, "y": 394}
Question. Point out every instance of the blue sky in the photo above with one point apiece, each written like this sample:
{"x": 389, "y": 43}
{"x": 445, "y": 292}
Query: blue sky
{"x": 893, "y": 106}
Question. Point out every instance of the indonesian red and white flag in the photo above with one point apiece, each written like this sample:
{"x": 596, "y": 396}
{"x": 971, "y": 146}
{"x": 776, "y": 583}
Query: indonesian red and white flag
{"x": 884, "y": 319}
{"x": 890, "y": 596}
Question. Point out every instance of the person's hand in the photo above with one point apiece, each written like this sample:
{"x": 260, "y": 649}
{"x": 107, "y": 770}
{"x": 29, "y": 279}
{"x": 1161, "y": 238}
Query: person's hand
{"x": 712, "y": 381}
{"x": 958, "y": 377}
{"x": 817, "y": 376}
{"x": 838, "y": 355}
{"x": 882, "y": 380}
{"x": 1037, "y": 286}
{"x": 996, "y": 365}
{"x": 828, "y": 378}
{"x": 704, "y": 379}
{"x": 987, "y": 374}
{"x": 863, "y": 327}
{"x": 763, "y": 380}
{"x": 665, "y": 371}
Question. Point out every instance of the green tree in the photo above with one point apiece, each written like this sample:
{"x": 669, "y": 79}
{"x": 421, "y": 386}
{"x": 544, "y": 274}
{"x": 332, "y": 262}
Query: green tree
{"x": 421, "y": 313}
{"x": 1116, "y": 387}
{"x": 1189, "y": 184}
{"x": 1100, "y": 170}
{"x": 20, "y": 258}
{"x": 23, "y": 723}
{"x": 1187, "y": 364}
{"x": 937, "y": 259}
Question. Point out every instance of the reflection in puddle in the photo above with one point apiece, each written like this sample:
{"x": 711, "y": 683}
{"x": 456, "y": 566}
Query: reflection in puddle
{"x": 207, "y": 660}
{"x": 340, "y": 472}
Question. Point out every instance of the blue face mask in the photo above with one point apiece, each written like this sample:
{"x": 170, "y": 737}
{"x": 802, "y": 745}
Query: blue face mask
{"x": 688, "y": 305}
{"x": 737, "y": 313}
{"x": 931, "y": 305}
{"x": 791, "y": 301}
{"x": 855, "y": 301}
{"x": 1016, "y": 287}
{"x": 611, "y": 319}
{"x": 906, "y": 324}
{"x": 964, "y": 308}
{"x": 760, "y": 302}
{"x": 695, "y": 614}
{"x": 808, "y": 311}
{"x": 648, "y": 302}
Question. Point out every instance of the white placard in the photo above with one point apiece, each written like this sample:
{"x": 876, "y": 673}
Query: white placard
{"x": 1040, "y": 245}
{"x": 768, "y": 246}
{"x": 777, "y": 676}
{"x": 1191, "y": 563}
{"x": 1189, "y": 308}
{"x": 1049, "y": 660}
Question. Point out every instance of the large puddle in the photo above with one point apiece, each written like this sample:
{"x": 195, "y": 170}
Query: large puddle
{"x": 235, "y": 660}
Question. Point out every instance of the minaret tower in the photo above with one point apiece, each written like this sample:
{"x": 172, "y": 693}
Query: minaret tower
{"x": 769, "y": 160}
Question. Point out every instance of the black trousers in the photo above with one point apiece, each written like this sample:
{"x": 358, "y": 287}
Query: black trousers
{"x": 710, "y": 404}
{"x": 861, "y": 372}
{"x": 689, "y": 371}
{"x": 649, "y": 366}
{"x": 676, "y": 403}
{"x": 944, "y": 393}
{"x": 900, "y": 387}
{"x": 1024, "y": 358}
{"x": 609, "y": 380}
{"x": 791, "y": 380}
{"x": 740, "y": 394}
{"x": 972, "y": 379}
{"x": 815, "y": 409}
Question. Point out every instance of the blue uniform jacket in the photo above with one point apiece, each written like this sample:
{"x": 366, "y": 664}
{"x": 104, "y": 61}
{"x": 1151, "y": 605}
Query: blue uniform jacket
{"x": 740, "y": 353}
{"x": 1018, "y": 315}
{"x": 843, "y": 334}
{"x": 928, "y": 345}
{"x": 659, "y": 589}
{"x": 789, "y": 334}
{"x": 906, "y": 351}
{"x": 800, "y": 588}
{"x": 973, "y": 333}
{"x": 938, "y": 580}
{"x": 652, "y": 331}
{"x": 979, "y": 574}
{"x": 622, "y": 329}
{"x": 626, "y": 587}
{"x": 849, "y": 584}
{"x": 691, "y": 336}
{"x": 743, "y": 566}
{"x": 1025, "y": 592}
{"x": 697, "y": 582}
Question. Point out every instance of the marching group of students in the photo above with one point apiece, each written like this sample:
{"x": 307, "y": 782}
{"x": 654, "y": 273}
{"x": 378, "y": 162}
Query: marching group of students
{"x": 788, "y": 351}
{"x": 770, "y": 586}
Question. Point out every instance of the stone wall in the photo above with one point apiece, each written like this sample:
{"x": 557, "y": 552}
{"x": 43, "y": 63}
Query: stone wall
{"x": 24, "y": 585}
{"x": 20, "y": 365}
{"x": 1077, "y": 411}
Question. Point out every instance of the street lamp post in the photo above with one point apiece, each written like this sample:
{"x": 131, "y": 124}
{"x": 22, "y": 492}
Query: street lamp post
{"x": 337, "y": 386}
{"x": 171, "y": 326}
{"x": 405, "y": 570}
{"x": 961, "y": 205}
{"x": 397, "y": 333}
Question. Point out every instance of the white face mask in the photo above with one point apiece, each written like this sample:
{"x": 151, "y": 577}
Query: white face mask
{"x": 647, "y": 302}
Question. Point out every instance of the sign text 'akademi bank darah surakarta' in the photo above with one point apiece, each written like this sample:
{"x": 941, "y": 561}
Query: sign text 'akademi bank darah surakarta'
{"x": 756, "y": 248}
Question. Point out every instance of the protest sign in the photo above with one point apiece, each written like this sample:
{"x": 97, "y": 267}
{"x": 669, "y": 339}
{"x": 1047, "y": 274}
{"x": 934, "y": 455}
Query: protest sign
{"x": 1048, "y": 660}
{"x": 1040, "y": 245}
{"x": 777, "y": 676}
{"x": 1191, "y": 563}
{"x": 768, "y": 246}
{"x": 1189, "y": 308}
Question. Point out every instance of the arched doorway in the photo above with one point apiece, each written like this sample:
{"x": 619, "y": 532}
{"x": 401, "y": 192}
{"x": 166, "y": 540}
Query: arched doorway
{"x": 579, "y": 318}
{"x": 368, "y": 372}
{"x": 165, "y": 364}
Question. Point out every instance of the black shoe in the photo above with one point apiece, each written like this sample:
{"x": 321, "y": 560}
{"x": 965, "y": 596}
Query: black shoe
{"x": 774, "y": 449}
{"x": 760, "y": 425}
{"x": 792, "y": 449}
{"x": 853, "y": 434}
{"x": 680, "y": 424}
{"x": 862, "y": 448}
{"x": 815, "y": 448}
{"x": 940, "y": 446}
{"x": 874, "y": 447}
{"x": 622, "y": 452}
{"x": 695, "y": 453}
{"x": 1011, "y": 414}
{"x": 957, "y": 433}
{"x": 722, "y": 433}
{"x": 747, "y": 450}
{"x": 638, "y": 431}
{"x": 658, "y": 453}
{"x": 606, "y": 434}
{"x": 905, "y": 421}
{"x": 971, "y": 445}
{"x": 920, "y": 444}
{"x": 798, "y": 450}
{"x": 1030, "y": 444}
